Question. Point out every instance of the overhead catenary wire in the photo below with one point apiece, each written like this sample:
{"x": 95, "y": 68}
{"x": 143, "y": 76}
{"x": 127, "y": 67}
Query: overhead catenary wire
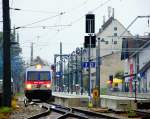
{"x": 99, "y": 6}
{"x": 77, "y": 20}
{"x": 71, "y": 23}
{"x": 48, "y": 12}
{"x": 42, "y": 20}
{"x": 30, "y": 10}
{"x": 44, "y": 27}
{"x": 61, "y": 13}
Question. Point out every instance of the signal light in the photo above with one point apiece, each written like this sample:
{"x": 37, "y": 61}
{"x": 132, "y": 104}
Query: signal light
{"x": 90, "y": 23}
{"x": 87, "y": 41}
{"x": 111, "y": 78}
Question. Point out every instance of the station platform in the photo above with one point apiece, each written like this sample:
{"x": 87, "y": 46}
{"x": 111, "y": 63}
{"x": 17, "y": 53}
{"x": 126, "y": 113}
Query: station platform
{"x": 72, "y": 100}
{"x": 117, "y": 103}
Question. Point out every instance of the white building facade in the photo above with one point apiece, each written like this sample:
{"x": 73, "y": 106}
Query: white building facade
{"x": 138, "y": 62}
{"x": 111, "y": 34}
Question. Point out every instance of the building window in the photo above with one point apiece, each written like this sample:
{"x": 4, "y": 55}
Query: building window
{"x": 115, "y": 34}
{"x": 115, "y": 42}
{"x": 115, "y": 28}
{"x": 106, "y": 42}
{"x": 102, "y": 40}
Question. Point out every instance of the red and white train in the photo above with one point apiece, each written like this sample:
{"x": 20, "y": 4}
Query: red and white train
{"x": 38, "y": 82}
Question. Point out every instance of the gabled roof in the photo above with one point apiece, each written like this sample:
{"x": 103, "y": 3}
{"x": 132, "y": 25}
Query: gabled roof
{"x": 132, "y": 45}
{"x": 107, "y": 23}
{"x": 146, "y": 66}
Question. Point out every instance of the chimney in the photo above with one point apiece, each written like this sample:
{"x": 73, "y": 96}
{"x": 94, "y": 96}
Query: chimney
{"x": 103, "y": 19}
{"x": 109, "y": 12}
{"x": 113, "y": 13}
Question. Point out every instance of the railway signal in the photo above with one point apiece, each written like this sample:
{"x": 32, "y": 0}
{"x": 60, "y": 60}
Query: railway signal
{"x": 87, "y": 41}
{"x": 90, "y": 23}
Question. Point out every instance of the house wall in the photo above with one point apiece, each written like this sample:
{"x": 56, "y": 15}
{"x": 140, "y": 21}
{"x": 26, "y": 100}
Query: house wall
{"x": 110, "y": 65}
{"x": 148, "y": 80}
{"x": 144, "y": 57}
{"x": 108, "y": 35}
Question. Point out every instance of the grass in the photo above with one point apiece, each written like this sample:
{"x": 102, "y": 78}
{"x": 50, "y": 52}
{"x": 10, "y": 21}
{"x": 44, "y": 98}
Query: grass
{"x": 19, "y": 94}
{"x": 6, "y": 109}
{"x": 5, "y": 112}
{"x": 103, "y": 91}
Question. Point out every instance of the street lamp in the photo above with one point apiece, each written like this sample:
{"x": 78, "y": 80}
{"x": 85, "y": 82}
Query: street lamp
{"x": 82, "y": 52}
{"x": 72, "y": 76}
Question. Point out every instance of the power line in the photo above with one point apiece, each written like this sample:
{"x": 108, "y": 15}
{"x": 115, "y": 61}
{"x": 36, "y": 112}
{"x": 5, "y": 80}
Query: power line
{"x": 30, "y": 10}
{"x": 42, "y": 20}
{"x": 44, "y": 27}
{"x": 101, "y": 5}
{"x": 62, "y": 13}
{"x": 77, "y": 7}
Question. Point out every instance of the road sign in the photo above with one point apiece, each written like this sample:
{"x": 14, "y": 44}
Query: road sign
{"x": 93, "y": 64}
{"x": 58, "y": 74}
{"x": 95, "y": 93}
{"x": 86, "y": 64}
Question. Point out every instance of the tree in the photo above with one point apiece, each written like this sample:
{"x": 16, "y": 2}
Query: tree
{"x": 17, "y": 63}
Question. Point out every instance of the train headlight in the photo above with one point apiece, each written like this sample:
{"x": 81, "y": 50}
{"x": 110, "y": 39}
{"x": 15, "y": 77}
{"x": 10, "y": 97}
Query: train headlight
{"x": 48, "y": 85}
{"x": 38, "y": 66}
{"x": 28, "y": 86}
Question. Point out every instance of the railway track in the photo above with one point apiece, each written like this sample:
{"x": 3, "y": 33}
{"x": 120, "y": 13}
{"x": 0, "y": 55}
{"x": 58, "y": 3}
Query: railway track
{"x": 77, "y": 113}
{"x": 62, "y": 112}
{"x": 42, "y": 114}
{"x": 144, "y": 114}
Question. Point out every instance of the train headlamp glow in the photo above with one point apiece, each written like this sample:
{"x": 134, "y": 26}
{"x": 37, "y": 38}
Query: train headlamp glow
{"x": 38, "y": 66}
{"x": 48, "y": 85}
{"x": 28, "y": 86}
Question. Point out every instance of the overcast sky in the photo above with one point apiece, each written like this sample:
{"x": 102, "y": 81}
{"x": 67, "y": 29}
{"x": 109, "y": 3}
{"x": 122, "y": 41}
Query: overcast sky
{"x": 66, "y": 21}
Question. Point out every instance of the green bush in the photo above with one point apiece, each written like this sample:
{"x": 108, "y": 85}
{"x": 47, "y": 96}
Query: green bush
{"x": 131, "y": 112}
{"x": 5, "y": 109}
{"x": 103, "y": 91}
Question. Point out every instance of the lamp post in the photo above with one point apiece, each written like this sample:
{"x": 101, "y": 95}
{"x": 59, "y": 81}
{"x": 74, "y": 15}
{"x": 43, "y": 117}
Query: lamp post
{"x": 71, "y": 77}
{"x": 63, "y": 77}
{"x": 78, "y": 52}
{"x": 98, "y": 63}
{"x": 68, "y": 83}
{"x": 76, "y": 71}
{"x": 135, "y": 91}
{"x": 81, "y": 71}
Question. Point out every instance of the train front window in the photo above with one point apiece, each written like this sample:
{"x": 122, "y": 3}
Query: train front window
{"x": 32, "y": 75}
{"x": 45, "y": 75}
